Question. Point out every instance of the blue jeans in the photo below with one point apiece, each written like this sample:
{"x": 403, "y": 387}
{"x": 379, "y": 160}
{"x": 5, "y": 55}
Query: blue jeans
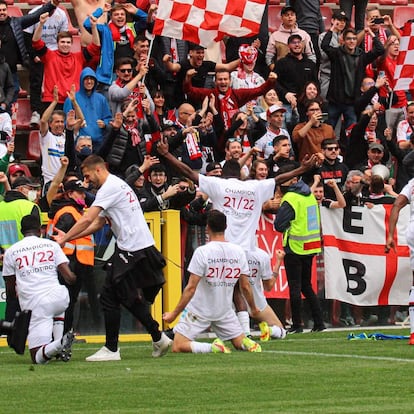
{"x": 336, "y": 110}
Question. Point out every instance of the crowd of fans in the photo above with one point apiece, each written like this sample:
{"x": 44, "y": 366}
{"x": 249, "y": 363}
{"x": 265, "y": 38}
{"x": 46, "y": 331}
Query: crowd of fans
{"x": 318, "y": 92}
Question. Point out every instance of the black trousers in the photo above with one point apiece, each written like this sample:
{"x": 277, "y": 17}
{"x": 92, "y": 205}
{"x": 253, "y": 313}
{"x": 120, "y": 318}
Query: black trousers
{"x": 299, "y": 272}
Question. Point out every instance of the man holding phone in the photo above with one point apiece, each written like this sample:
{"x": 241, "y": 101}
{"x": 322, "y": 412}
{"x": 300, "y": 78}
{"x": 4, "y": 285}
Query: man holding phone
{"x": 309, "y": 135}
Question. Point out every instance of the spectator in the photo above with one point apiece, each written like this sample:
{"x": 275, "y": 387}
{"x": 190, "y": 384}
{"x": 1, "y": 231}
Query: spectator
{"x": 47, "y": 300}
{"x": 122, "y": 34}
{"x": 332, "y": 168}
{"x": 245, "y": 76}
{"x": 7, "y": 87}
{"x": 61, "y": 66}
{"x": 298, "y": 218}
{"x": 157, "y": 194}
{"x": 52, "y": 139}
{"x": 348, "y": 64}
{"x": 274, "y": 118}
{"x": 201, "y": 68}
{"x": 57, "y": 22}
{"x": 293, "y": 71}
{"x": 309, "y": 19}
{"x": 4, "y": 164}
{"x": 338, "y": 24}
{"x": 161, "y": 113}
{"x": 308, "y": 136}
{"x": 227, "y": 99}
{"x": 318, "y": 190}
{"x": 310, "y": 92}
{"x": 127, "y": 86}
{"x": 278, "y": 46}
{"x": 356, "y": 189}
{"x": 268, "y": 99}
{"x": 375, "y": 155}
{"x": 94, "y": 108}
{"x": 281, "y": 154}
{"x": 406, "y": 127}
{"x": 372, "y": 21}
{"x": 12, "y": 43}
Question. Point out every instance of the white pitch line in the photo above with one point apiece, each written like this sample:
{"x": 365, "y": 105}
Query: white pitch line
{"x": 350, "y": 356}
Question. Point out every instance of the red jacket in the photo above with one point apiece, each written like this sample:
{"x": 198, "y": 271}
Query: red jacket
{"x": 64, "y": 70}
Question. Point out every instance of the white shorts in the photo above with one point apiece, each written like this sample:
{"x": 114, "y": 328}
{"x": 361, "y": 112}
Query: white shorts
{"x": 410, "y": 241}
{"x": 49, "y": 306}
{"x": 191, "y": 326}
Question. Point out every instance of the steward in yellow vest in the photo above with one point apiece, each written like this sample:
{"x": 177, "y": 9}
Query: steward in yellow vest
{"x": 299, "y": 221}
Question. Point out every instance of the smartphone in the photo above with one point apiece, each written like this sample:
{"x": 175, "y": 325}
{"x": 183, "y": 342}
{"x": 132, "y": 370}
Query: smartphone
{"x": 378, "y": 20}
{"x": 325, "y": 116}
{"x": 381, "y": 74}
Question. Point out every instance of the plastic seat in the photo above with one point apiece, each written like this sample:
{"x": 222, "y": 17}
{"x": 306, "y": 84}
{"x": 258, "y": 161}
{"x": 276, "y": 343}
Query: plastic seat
{"x": 274, "y": 2}
{"x": 402, "y": 14}
{"x": 24, "y": 113}
{"x": 393, "y": 2}
{"x": 71, "y": 29}
{"x": 274, "y": 19}
{"x": 14, "y": 11}
{"x": 33, "y": 146}
{"x": 34, "y": 2}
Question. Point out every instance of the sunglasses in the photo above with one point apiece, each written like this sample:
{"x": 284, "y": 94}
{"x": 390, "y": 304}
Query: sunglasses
{"x": 235, "y": 140}
{"x": 125, "y": 70}
{"x": 332, "y": 148}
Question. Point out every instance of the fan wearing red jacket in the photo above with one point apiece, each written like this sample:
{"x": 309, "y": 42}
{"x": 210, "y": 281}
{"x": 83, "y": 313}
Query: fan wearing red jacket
{"x": 63, "y": 67}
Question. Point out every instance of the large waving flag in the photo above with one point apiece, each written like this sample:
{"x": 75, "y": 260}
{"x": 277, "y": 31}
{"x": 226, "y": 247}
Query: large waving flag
{"x": 404, "y": 70}
{"x": 206, "y": 21}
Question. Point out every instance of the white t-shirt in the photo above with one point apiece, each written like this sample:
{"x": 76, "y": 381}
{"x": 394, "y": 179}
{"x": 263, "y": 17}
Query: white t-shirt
{"x": 260, "y": 269}
{"x": 265, "y": 143}
{"x": 241, "y": 202}
{"x": 34, "y": 262}
{"x": 122, "y": 208}
{"x": 57, "y": 22}
{"x": 219, "y": 265}
{"x": 404, "y": 131}
{"x": 52, "y": 148}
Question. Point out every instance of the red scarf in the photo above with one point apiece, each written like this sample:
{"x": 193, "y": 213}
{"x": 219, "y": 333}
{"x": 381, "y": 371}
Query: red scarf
{"x": 227, "y": 107}
{"x": 116, "y": 34}
{"x": 135, "y": 138}
{"x": 135, "y": 94}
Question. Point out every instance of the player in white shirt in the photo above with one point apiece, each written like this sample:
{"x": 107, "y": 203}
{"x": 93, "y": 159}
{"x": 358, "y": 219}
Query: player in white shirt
{"x": 241, "y": 201}
{"x": 134, "y": 275}
{"x": 261, "y": 277}
{"x": 30, "y": 270}
{"x": 405, "y": 197}
{"x": 207, "y": 299}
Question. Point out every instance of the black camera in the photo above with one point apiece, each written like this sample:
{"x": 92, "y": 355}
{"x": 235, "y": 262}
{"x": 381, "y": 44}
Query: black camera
{"x": 378, "y": 20}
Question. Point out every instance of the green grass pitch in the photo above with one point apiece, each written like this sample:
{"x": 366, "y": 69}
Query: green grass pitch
{"x": 305, "y": 373}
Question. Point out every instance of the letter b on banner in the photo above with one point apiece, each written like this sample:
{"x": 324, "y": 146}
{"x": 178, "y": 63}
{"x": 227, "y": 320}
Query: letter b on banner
{"x": 354, "y": 271}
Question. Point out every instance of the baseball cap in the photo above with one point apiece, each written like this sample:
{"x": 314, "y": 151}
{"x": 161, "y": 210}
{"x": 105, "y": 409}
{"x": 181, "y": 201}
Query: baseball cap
{"x": 375, "y": 145}
{"x": 339, "y": 15}
{"x": 74, "y": 185}
{"x": 294, "y": 36}
{"x": 194, "y": 46}
{"x": 13, "y": 169}
{"x": 271, "y": 110}
{"x": 213, "y": 166}
{"x": 287, "y": 9}
{"x": 22, "y": 181}
{"x": 169, "y": 124}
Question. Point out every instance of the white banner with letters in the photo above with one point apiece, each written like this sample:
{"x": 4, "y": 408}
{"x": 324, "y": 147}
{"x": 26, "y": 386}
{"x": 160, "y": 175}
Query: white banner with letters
{"x": 357, "y": 269}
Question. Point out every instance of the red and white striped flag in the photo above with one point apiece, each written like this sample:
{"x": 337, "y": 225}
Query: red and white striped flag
{"x": 206, "y": 21}
{"x": 404, "y": 70}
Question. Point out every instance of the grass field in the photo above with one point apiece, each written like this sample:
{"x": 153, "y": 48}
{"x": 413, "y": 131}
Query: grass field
{"x": 305, "y": 373}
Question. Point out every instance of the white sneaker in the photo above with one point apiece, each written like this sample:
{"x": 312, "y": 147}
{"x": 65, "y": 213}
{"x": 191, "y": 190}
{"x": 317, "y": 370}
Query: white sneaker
{"x": 35, "y": 119}
{"x": 160, "y": 347}
{"x": 104, "y": 354}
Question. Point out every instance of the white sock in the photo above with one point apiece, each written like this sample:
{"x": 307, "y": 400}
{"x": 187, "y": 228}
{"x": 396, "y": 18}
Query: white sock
{"x": 58, "y": 324}
{"x": 411, "y": 309}
{"x": 277, "y": 332}
{"x": 200, "y": 347}
{"x": 243, "y": 317}
{"x": 46, "y": 352}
